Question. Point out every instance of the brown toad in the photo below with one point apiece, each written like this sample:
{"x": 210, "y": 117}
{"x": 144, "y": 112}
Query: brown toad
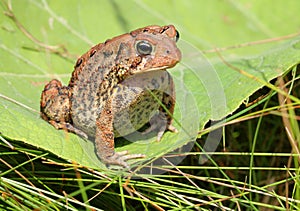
{"x": 116, "y": 88}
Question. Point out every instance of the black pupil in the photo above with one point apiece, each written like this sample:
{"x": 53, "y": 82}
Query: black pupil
{"x": 144, "y": 48}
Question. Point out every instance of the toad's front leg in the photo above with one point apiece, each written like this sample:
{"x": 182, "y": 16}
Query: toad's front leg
{"x": 104, "y": 140}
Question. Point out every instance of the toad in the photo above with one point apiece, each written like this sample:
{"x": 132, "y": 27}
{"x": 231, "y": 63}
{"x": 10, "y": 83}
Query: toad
{"x": 116, "y": 88}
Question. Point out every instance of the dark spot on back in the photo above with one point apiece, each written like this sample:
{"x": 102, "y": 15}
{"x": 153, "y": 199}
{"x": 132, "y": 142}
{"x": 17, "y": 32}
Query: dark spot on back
{"x": 100, "y": 69}
{"x": 107, "y": 54}
{"x": 106, "y": 41}
{"x": 78, "y": 63}
{"x": 92, "y": 53}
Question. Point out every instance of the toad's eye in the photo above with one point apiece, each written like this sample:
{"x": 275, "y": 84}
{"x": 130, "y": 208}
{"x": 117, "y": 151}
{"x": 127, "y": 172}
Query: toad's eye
{"x": 143, "y": 47}
{"x": 177, "y": 36}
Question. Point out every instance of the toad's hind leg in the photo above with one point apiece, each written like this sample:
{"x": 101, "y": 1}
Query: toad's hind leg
{"x": 55, "y": 107}
{"x": 104, "y": 140}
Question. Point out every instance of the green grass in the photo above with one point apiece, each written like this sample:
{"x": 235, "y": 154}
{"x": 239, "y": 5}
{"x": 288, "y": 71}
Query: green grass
{"x": 256, "y": 167}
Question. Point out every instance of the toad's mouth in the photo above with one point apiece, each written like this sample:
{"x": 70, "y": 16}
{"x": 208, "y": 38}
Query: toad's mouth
{"x": 154, "y": 65}
{"x": 153, "y": 69}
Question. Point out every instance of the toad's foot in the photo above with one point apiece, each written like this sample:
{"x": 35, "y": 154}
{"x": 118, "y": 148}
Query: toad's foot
{"x": 159, "y": 123}
{"x": 120, "y": 158}
{"x": 68, "y": 127}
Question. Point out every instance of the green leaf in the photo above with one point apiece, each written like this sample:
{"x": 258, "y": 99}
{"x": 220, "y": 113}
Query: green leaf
{"x": 206, "y": 87}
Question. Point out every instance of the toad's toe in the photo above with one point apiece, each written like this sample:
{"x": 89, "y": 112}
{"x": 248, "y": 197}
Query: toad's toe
{"x": 120, "y": 158}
